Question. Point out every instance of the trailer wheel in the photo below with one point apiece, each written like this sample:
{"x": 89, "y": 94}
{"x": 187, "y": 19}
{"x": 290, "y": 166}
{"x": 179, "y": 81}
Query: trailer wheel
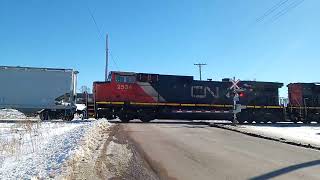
{"x": 70, "y": 118}
{"x": 44, "y": 116}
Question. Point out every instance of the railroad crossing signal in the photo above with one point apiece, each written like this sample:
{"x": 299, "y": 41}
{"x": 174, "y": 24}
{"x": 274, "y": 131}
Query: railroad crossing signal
{"x": 236, "y": 107}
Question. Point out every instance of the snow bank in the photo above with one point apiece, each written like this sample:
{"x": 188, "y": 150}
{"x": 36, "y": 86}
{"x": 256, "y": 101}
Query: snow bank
{"x": 11, "y": 114}
{"x": 83, "y": 162}
{"x": 297, "y": 133}
{"x": 39, "y": 149}
{"x": 300, "y": 134}
{"x": 105, "y": 153}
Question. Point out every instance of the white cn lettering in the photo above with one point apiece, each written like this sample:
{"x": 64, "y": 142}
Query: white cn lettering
{"x": 201, "y": 92}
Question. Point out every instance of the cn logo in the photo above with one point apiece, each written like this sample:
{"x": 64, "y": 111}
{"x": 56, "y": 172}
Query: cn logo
{"x": 203, "y": 91}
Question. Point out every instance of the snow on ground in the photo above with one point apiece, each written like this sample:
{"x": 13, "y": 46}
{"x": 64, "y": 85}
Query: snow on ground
{"x": 29, "y": 149}
{"x": 86, "y": 154}
{"x": 81, "y": 107}
{"x": 298, "y": 133}
{"x": 106, "y": 154}
{"x": 11, "y": 114}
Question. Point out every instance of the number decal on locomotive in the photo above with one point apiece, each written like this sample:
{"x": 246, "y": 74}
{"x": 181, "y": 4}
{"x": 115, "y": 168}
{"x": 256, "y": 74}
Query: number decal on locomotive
{"x": 123, "y": 86}
{"x": 201, "y": 92}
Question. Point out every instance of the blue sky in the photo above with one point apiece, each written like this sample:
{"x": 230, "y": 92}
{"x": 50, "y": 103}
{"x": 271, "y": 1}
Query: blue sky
{"x": 164, "y": 36}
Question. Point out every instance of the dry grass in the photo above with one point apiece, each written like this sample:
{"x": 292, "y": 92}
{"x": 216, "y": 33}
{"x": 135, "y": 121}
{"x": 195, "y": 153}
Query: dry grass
{"x": 20, "y": 138}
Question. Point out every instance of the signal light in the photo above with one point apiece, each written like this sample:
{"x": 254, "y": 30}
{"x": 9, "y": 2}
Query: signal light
{"x": 241, "y": 94}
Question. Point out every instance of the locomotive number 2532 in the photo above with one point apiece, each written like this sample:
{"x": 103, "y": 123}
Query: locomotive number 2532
{"x": 123, "y": 86}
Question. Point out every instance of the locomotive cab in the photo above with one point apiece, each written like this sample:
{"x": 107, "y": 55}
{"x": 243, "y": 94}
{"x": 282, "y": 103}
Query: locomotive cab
{"x": 124, "y": 87}
{"x": 118, "y": 87}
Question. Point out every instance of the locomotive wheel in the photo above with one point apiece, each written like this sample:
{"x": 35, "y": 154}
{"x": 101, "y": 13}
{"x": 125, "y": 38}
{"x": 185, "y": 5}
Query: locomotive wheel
{"x": 241, "y": 121}
{"x": 306, "y": 121}
{"x": 125, "y": 118}
{"x": 242, "y": 117}
{"x": 147, "y": 118}
{"x": 249, "y": 121}
{"x": 293, "y": 119}
{"x": 110, "y": 117}
{"x": 273, "y": 121}
{"x": 260, "y": 120}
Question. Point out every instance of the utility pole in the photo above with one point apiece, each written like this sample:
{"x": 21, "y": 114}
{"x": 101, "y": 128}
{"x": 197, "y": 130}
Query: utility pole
{"x": 107, "y": 58}
{"x": 200, "y": 68}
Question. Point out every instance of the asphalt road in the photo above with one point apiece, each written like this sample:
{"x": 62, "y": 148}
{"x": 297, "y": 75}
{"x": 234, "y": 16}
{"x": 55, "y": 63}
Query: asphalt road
{"x": 190, "y": 151}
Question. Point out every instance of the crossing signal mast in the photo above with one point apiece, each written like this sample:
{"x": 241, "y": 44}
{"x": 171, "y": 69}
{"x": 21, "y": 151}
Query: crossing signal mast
{"x": 237, "y": 92}
{"x": 200, "y": 68}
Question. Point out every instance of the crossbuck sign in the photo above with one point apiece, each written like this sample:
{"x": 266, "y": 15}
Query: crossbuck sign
{"x": 235, "y": 86}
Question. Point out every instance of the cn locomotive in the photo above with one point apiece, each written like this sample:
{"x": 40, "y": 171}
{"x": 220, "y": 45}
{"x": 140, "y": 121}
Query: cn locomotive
{"x": 304, "y": 102}
{"x": 129, "y": 95}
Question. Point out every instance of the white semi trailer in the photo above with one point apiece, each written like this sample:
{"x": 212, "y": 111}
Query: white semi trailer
{"x": 49, "y": 92}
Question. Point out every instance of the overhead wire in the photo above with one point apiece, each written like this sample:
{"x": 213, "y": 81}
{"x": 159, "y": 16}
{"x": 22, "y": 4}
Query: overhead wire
{"x": 286, "y": 10}
{"x": 114, "y": 61}
{"x": 95, "y": 23}
{"x": 277, "y": 11}
{"x": 100, "y": 34}
{"x": 271, "y": 10}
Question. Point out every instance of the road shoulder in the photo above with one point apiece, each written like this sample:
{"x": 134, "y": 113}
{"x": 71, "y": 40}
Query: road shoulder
{"x": 110, "y": 155}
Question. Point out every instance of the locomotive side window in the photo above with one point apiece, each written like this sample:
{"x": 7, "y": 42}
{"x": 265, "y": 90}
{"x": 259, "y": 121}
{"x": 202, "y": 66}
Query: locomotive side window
{"x": 125, "y": 79}
{"x": 148, "y": 77}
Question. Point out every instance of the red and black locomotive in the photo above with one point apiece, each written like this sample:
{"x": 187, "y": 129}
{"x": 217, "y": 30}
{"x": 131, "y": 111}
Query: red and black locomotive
{"x": 129, "y": 95}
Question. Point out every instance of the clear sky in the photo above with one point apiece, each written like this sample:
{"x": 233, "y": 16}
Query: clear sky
{"x": 165, "y": 36}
